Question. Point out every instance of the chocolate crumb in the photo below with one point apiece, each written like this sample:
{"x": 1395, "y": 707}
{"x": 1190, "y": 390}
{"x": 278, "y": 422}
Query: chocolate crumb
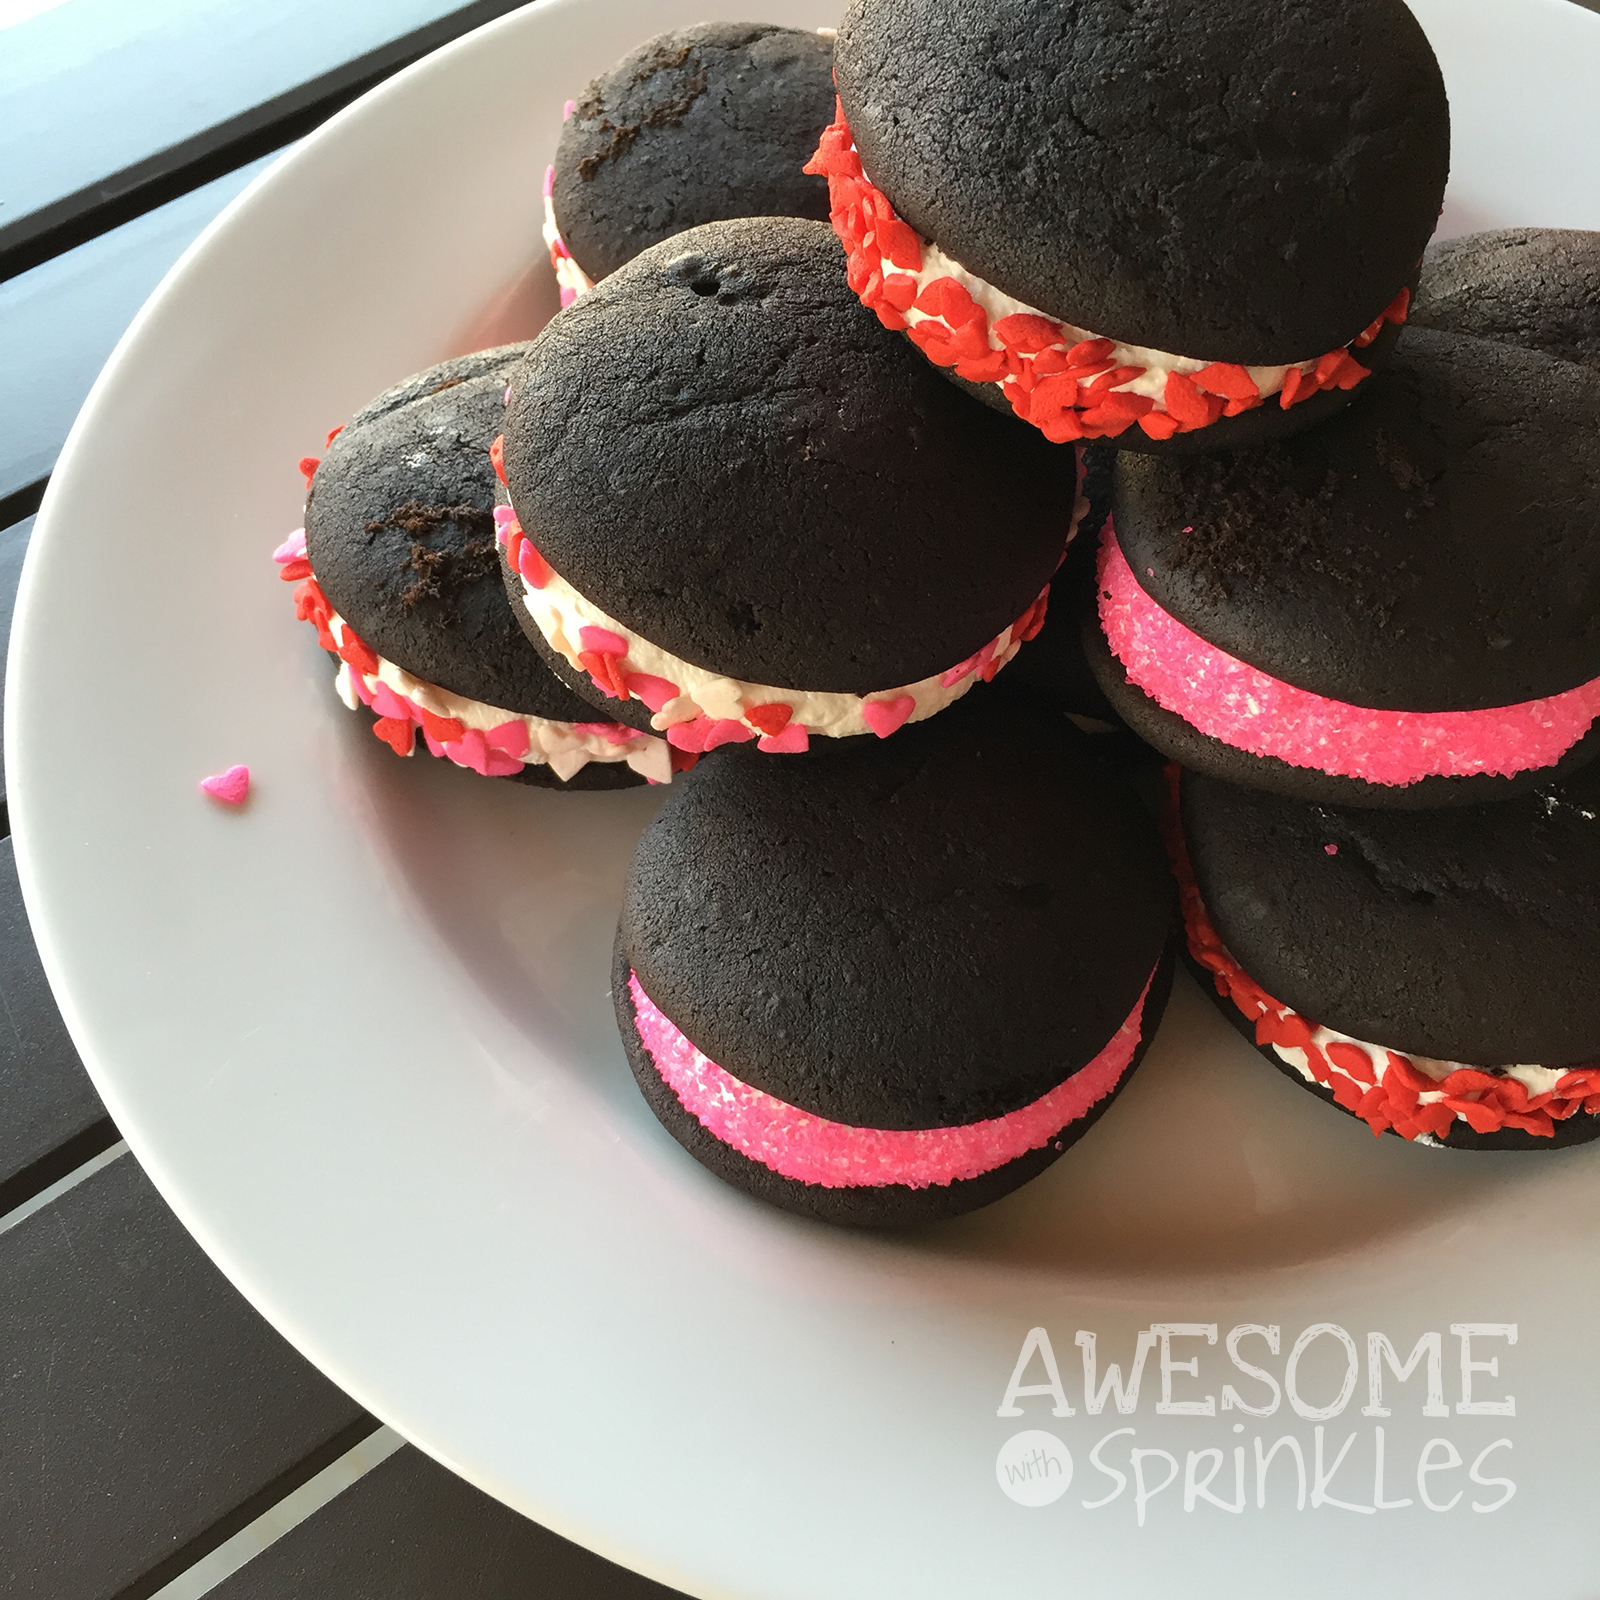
{"x": 440, "y": 575}
{"x": 664, "y": 114}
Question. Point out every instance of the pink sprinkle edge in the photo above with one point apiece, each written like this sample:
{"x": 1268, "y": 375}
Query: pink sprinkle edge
{"x": 798, "y": 1144}
{"x": 1230, "y": 700}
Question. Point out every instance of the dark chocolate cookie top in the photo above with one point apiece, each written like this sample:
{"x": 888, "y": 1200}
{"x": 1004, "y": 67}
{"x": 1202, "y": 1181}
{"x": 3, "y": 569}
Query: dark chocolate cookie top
{"x": 1469, "y": 935}
{"x": 725, "y": 451}
{"x": 921, "y": 933}
{"x": 1534, "y": 287}
{"x": 1433, "y": 547}
{"x": 1248, "y": 182}
{"x": 696, "y": 125}
{"x": 400, "y": 531}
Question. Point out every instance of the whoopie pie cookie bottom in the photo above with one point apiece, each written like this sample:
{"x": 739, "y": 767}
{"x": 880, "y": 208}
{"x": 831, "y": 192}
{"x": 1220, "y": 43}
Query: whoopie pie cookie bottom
{"x": 888, "y": 1205}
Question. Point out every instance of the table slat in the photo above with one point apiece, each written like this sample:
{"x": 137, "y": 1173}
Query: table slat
{"x": 13, "y": 546}
{"x": 143, "y": 1401}
{"x": 51, "y": 1120}
{"x": 111, "y": 108}
{"x": 410, "y": 1530}
{"x": 59, "y": 322}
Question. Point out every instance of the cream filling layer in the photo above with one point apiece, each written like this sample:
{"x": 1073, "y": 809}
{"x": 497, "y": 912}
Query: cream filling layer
{"x": 565, "y": 747}
{"x": 570, "y": 277}
{"x": 562, "y": 614}
{"x": 1535, "y": 1079}
{"x": 1152, "y": 382}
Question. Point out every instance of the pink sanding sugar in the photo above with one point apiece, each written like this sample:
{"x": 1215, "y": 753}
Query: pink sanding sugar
{"x": 1230, "y": 700}
{"x": 798, "y": 1144}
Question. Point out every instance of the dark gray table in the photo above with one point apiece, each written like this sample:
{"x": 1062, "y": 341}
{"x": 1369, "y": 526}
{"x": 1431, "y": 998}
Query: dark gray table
{"x": 156, "y": 1436}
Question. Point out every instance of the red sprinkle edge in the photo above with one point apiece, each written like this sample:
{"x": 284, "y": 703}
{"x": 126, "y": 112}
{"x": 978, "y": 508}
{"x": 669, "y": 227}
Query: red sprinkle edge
{"x": 1485, "y": 1101}
{"x": 1067, "y": 388}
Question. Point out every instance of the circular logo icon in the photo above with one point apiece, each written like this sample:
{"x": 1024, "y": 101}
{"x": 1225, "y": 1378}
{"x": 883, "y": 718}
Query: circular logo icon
{"x": 1034, "y": 1468}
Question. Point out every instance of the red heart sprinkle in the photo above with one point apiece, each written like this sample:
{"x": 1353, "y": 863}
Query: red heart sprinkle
{"x": 401, "y": 737}
{"x": 771, "y": 718}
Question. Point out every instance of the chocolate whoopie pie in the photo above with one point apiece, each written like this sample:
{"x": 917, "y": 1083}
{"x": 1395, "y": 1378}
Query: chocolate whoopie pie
{"x": 1395, "y": 962}
{"x": 696, "y": 125}
{"x": 1534, "y": 287}
{"x": 746, "y": 511}
{"x": 1400, "y": 608}
{"x": 399, "y": 572}
{"x": 1170, "y": 224}
{"x": 892, "y": 986}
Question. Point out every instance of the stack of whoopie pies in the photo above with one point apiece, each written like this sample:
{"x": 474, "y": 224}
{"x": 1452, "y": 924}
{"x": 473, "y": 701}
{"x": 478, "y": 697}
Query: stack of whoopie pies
{"x": 922, "y": 390}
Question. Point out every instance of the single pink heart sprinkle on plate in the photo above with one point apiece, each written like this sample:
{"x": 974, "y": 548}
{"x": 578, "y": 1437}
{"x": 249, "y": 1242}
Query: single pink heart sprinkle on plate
{"x": 231, "y": 787}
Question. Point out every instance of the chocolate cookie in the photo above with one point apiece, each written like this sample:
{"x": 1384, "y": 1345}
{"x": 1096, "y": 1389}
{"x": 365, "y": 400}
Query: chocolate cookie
{"x": 1534, "y": 287}
{"x": 911, "y": 975}
{"x": 401, "y": 577}
{"x": 1396, "y": 962}
{"x": 1399, "y": 608}
{"x": 1140, "y": 223}
{"x": 696, "y": 125}
{"x": 747, "y": 511}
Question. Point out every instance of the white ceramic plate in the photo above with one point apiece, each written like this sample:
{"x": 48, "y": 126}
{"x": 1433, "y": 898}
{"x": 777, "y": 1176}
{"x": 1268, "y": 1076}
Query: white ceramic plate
{"x": 359, "y": 1034}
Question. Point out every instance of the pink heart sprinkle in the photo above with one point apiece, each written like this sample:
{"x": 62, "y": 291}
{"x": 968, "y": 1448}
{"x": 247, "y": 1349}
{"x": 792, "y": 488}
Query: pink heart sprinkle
{"x": 230, "y": 787}
{"x": 549, "y": 181}
{"x": 567, "y": 297}
{"x": 884, "y": 716}
{"x": 474, "y": 751}
{"x": 727, "y": 730}
{"x": 389, "y": 704}
{"x": 794, "y": 740}
{"x": 654, "y": 691}
{"x": 602, "y": 641}
{"x": 509, "y": 737}
{"x": 566, "y": 111}
{"x": 690, "y": 736}
{"x": 956, "y": 673}
{"x": 292, "y": 549}
{"x": 469, "y": 751}
{"x": 531, "y": 565}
